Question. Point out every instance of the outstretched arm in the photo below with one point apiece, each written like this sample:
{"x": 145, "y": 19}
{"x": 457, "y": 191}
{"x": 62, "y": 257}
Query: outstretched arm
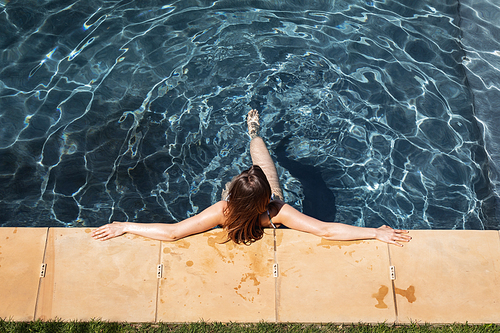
{"x": 206, "y": 220}
{"x": 294, "y": 219}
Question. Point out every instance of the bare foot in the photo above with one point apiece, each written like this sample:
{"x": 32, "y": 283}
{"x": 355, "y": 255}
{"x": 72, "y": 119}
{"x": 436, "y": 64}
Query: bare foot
{"x": 253, "y": 123}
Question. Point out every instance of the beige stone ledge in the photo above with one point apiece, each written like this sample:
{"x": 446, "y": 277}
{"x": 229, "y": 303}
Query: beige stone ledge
{"x": 448, "y": 276}
{"x": 21, "y": 256}
{"x": 206, "y": 278}
{"x": 88, "y": 279}
{"x": 288, "y": 276}
{"x": 326, "y": 281}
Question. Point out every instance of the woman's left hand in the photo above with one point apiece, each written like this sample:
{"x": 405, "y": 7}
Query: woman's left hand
{"x": 109, "y": 231}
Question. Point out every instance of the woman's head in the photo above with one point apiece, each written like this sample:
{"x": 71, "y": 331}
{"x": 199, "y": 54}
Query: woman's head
{"x": 249, "y": 195}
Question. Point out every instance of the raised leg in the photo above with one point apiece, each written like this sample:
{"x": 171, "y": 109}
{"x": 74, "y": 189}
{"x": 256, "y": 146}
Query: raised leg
{"x": 260, "y": 155}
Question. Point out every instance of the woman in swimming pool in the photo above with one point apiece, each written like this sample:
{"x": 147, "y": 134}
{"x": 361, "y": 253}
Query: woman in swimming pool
{"x": 249, "y": 207}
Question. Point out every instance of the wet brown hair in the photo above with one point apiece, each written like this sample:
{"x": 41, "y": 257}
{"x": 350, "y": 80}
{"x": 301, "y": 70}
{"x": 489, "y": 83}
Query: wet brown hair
{"x": 249, "y": 195}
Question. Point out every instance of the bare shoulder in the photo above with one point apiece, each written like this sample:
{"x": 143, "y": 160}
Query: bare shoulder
{"x": 220, "y": 209}
{"x": 221, "y": 206}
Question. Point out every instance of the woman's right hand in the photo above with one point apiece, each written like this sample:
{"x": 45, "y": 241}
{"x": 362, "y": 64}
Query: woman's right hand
{"x": 109, "y": 231}
{"x": 392, "y": 236}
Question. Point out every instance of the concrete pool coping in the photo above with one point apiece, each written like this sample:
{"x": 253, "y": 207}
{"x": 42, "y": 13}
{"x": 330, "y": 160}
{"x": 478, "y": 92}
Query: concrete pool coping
{"x": 289, "y": 276}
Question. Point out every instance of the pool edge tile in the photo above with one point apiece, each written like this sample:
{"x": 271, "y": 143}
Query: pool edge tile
{"x": 206, "y": 279}
{"x": 448, "y": 276}
{"x": 20, "y": 265}
{"x": 359, "y": 268}
{"x": 112, "y": 280}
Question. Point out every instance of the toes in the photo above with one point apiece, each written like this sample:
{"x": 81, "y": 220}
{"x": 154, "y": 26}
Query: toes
{"x": 253, "y": 122}
{"x": 253, "y": 117}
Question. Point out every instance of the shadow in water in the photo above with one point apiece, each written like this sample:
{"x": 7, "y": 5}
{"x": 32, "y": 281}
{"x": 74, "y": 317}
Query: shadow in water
{"x": 319, "y": 201}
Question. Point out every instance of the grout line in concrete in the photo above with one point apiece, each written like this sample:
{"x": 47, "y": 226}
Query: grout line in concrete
{"x": 40, "y": 279}
{"x": 393, "y": 287}
{"x": 158, "y": 280}
{"x": 276, "y": 291}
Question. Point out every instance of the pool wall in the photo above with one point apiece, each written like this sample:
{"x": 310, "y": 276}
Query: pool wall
{"x": 439, "y": 277}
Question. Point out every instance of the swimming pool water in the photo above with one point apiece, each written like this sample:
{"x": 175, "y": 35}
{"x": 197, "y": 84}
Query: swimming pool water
{"x": 377, "y": 112}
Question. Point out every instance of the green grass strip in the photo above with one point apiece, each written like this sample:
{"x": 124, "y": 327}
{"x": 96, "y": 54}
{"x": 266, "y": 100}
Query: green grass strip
{"x": 9, "y": 326}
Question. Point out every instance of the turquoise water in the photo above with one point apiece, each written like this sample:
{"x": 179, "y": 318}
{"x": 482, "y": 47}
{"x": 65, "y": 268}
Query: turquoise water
{"x": 377, "y": 112}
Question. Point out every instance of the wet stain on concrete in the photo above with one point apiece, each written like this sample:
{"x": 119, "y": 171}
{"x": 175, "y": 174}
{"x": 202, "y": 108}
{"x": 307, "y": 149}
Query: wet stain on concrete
{"x": 183, "y": 244}
{"x": 379, "y": 296}
{"x": 327, "y": 243}
{"x": 215, "y": 241}
{"x": 349, "y": 253}
{"x": 260, "y": 263}
{"x": 409, "y": 293}
{"x": 256, "y": 282}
